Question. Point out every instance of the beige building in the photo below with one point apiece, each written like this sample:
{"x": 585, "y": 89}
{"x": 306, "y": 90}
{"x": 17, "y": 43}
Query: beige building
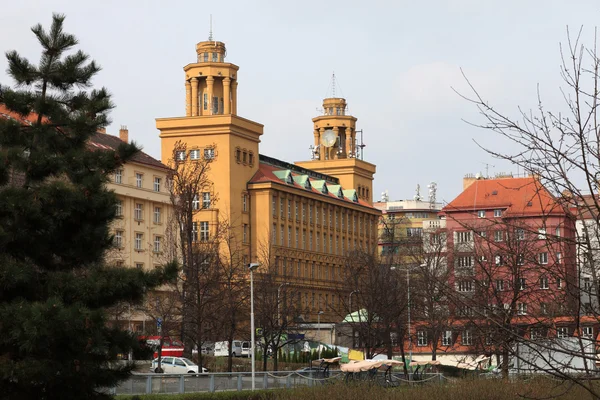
{"x": 142, "y": 231}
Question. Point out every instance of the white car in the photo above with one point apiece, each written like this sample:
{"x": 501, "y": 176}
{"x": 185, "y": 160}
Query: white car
{"x": 176, "y": 365}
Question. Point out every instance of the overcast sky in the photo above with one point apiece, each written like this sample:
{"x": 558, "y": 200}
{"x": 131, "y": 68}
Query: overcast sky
{"x": 396, "y": 63}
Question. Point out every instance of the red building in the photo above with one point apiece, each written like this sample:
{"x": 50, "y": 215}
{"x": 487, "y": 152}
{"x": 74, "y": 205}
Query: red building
{"x": 511, "y": 263}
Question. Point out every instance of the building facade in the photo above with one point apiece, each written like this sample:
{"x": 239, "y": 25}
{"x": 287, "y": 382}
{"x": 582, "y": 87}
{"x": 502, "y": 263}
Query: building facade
{"x": 305, "y": 216}
{"x": 511, "y": 263}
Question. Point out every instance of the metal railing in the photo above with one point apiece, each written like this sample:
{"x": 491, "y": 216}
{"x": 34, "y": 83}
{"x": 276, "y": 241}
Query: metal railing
{"x": 220, "y": 381}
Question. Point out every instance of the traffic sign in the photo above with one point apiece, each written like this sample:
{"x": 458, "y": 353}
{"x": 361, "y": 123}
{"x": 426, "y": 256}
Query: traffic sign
{"x": 159, "y": 322}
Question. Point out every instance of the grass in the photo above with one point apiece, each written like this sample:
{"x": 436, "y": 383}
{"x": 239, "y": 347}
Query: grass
{"x": 463, "y": 389}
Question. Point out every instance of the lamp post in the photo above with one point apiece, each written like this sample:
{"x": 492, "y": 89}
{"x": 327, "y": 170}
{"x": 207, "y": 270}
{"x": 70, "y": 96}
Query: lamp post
{"x": 252, "y": 267}
{"x": 278, "y": 306}
{"x": 350, "y": 300}
{"x": 319, "y": 330}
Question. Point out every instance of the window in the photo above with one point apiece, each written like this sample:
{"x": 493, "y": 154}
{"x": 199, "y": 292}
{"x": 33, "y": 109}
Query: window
{"x": 245, "y": 233}
{"x": 498, "y": 236}
{"x": 119, "y": 239}
{"x": 205, "y": 97}
{"x": 588, "y": 332}
{"x": 521, "y": 309}
{"x": 521, "y": 284}
{"x": 209, "y": 154}
{"x": 421, "y": 338}
{"x": 274, "y": 205}
{"x": 481, "y": 214}
{"x": 558, "y": 283}
{"x": 562, "y": 332}
{"x": 203, "y": 231}
{"x": 310, "y": 213}
{"x": 157, "y": 244}
{"x": 497, "y": 213}
{"x": 215, "y": 105}
{"x": 156, "y": 184}
{"x": 520, "y": 259}
{"x": 464, "y": 262}
{"x": 139, "y": 179}
{"x": 542, "y": 233}
{"x": 414, "y": 232}
{"x": 180, "y": 155}
{"x": 238, "y": 155}
{"x": 281, "y": 236}
{"x": 139, "y": 241}
{"x": 194, "y": 231}
{"x": 157, "y": 212}
{"x": 544, "y": 282}
{"x": 289, "y": 242}
{"x": 119, "y": 176}
{"x": 499, "y": 285}
{"x": 194, "y": 154}
{"x": 559, "y": 258}
{"x": 297, "y": 237}
{"x": 296, "y": 209}
{"x": 289, "y": 209}
{"x": 543, "y": 308}
{"x": 196, "y": 202}
{"x": 206, "y": 200}
{"x": 498, "y": 260}
{"x": 244, "y": 157}
{"x": 119, "y": 208}
{"x": 138, "y": 211}
{"x": 317, "y": 241}
{"x": 205, "y": 57}
{"x": 447, "y": 338}
{"x": 303, "y": 212}
{"x": 587, "y": 284}
{"x": 463, "y": 237}
{"x": 245, "y": 204}
{"x": 140, "y": 266}
{"x": 467, "y": 337}
{"x": 520, "y": 234}
{"x": 543, "y": 258}
{"x": 214, "y": 57}
{"x": 465, "y": 286}
{"x": 274, "y": 234}
{"x": 535, "y": 333}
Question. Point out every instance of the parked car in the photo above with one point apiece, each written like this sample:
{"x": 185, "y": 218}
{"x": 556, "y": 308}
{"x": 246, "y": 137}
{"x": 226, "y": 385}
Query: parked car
{"x": 176, "y": 365}
{"x": 238, "y": 349}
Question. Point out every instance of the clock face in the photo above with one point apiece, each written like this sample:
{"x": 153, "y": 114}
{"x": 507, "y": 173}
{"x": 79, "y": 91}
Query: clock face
{"x": 328, "y": 138}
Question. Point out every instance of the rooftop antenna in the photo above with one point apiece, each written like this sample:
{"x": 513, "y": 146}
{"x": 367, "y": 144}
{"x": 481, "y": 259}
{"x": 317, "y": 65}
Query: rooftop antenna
{"x": 210, "y": 33}
{"x": 333, "y": 84}
{"x": 487, "y": 169}
{"x": 417, "y": 196}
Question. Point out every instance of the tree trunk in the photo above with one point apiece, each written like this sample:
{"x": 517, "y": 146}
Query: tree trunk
{"x": 403, "y": 359}
{"x": 505, "y": 362}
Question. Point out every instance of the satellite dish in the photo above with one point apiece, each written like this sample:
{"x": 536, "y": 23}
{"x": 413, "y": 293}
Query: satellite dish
{"x": 328, "y": 138}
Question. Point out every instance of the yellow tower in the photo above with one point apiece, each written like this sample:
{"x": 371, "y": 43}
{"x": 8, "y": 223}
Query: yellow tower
{"x": 211, "y": 128}
{"x": 334, "y": 151}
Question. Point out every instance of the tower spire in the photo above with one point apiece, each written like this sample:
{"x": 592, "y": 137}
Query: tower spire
{"x": 210, "y": 33}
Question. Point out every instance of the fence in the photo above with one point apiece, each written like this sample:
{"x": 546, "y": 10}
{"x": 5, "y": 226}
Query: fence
{"x": 235, "y": 381}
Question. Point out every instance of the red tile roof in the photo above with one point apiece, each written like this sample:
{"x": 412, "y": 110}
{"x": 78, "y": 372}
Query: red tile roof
{"x": 266, "y": 174}
{"x": 519, "y": 196}
{"x": 97, "y": 141}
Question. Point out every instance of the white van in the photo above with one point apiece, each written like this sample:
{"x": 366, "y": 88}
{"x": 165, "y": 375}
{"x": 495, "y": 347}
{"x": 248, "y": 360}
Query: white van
{"x": 239, "y": 349}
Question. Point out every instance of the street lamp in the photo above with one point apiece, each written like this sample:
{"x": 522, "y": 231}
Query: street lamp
{"x": 319, "y": 330}
{"x": 350, "y": 300}
{"x": 278, "y": 306}
{"x": 252, "y": 267}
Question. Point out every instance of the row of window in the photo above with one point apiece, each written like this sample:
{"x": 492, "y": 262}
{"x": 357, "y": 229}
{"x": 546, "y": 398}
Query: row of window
{"x": 138, "y": 212}
{"x": 501, "y": 235}
{"x": 483, "y": 213}
{"x": 214, "y": 57}
{"x": 502, "y": 285}
{"x": 320, "y": 214}
{"x": 309, "y": 240}
{"x": 467, "y": 339}
{"x": 138, "y": 244}
{"x": 306, "y": 269}
{"x": 200, "y": 231}
{"x": 499, "y": 259}
{"x": 194, "y": 154}
{"x": 363, "y": 192}
{"x": 139, "y": 180}
{"x": 243, "y": 156}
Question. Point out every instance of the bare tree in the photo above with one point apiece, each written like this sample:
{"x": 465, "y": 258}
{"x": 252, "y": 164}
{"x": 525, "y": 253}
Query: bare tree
{"x": 191, "y": 192}
{"x": 562, "y": 148}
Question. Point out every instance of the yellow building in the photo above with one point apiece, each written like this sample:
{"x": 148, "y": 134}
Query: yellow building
{"x": 307, "y": 215}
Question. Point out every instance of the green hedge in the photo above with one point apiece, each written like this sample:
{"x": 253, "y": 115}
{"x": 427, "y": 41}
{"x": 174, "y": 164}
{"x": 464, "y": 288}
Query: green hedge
{"x": 243, "y": 395}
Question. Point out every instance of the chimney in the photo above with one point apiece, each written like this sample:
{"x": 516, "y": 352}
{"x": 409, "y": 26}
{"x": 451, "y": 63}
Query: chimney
{"x": 124, "y": 133}
{"x": 469, "y": 179}
{"x": 102, "y": 130}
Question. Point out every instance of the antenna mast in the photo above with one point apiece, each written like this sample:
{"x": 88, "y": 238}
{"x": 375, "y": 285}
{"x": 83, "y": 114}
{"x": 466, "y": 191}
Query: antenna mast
{"x": 333, "y": 84}
{"x": 210, "y": 33}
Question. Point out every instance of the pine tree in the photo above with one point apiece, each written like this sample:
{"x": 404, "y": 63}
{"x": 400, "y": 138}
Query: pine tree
{"x": 55, "y": 212}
